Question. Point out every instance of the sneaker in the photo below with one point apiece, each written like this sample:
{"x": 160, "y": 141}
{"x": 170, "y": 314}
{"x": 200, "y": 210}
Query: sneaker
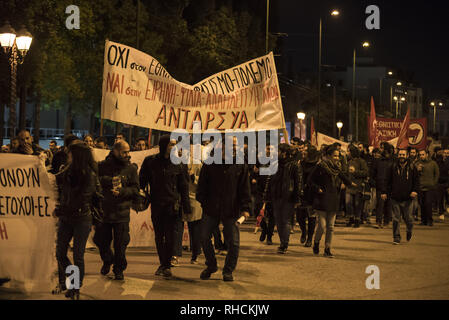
{"x": 206, "y": 273}
{"x": 269, "y": 241}
{"x": 430, "y": 224}
{"x": 396, "y": 242}
{"x": 228, "y": 277}
{"x": 357, "y": 224}
{"x": 423, "y": 224}
{"x": 159, "y": 271}
{"x": 282, "y": 250}
{"x": 316, "y": 248}
{"x": 303, "y": 238}
{"x": 174, "y": 262}
{"x": 167, "y": 273}
{"x": 292, "y": 231}
{"x": 73, "y": 294}
{"x": 328, "y": 253}
{"x": 105, "y": 269}
{"x": 350, "y": 222}
{"x": 386, "y": 224}
{"x": 194, "y": 261}
{"x": 441, "y": 217}
{"x": 119, "y": 276}
{"x": 308, "y": 243}
{"x": 409, "y": 236}
{"x": 263, "y": 235}
{"x": 379, "y": 225}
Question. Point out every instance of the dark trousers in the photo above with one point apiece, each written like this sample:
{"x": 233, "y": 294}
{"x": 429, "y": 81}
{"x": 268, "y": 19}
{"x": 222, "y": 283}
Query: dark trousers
{"x": 268, "y": 222}
{"x": 303, "y": 215}
{"x": 283, "y": 211}
{"x": 118, "y": 233}
{"x": 164, "y": 222}
{"x": 195, "y": 237}
{"x": 401, "y": 209}
{"x": 177, "y": 237}
{"x": 442, "y": 198}
{"x": 231, "y": 234}
{"x": 78, "y": 230}
{"x": 425, "y": 201}
{"x": 383, "y": 209}
{"x": 218, "y": 242}
{"x": 353, "y": 205}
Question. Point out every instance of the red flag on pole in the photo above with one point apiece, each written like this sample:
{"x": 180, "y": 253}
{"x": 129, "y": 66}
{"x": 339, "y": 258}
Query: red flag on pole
{"x": 372, "y": 130}
{"x": 313, "y": 136}
{"x": 402, "y": 138}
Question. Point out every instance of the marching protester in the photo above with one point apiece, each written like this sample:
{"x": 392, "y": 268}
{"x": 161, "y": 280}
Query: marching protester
{"x": 168, "y": 191}
{"x": 325, "y": 182}
{"x": 305, "y": 212}
{"x": 79, "y": 191}
{"x": 285, "y": 192}
{"x": 429, "y": 174}
{"x": 89, "y": 140}
{"x": 224, "y": 194}
{"x": 380, "y": 167}
{"x": 358, "y": 172}
{"x": 14, "y": 145}
{"x": 119, "y": 137}
{"x": 401, "y": 184}
{"x": 141, "y": 145}
{"x": 53, "y": 147}
{"x": 443, "y": 182}
{"x": 119, "y": 180}
{"x": 26, "y": 144}
{"x": 101, "y": 143}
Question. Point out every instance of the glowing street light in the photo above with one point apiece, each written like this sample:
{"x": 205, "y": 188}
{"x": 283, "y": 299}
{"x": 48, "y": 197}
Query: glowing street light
{"x": 335, "y": 13}
{"x": 339, "y": 126}
{"x": 301, "y": 115}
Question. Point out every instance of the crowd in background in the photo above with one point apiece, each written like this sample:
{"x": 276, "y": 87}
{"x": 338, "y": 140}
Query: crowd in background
{"x": 362, "y": 185}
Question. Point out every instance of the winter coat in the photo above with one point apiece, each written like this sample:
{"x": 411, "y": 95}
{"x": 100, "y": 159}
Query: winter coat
{"x": 117, "y": 208}
{"x": 286, "y": 183}
{"x": 168, "y": 183}
{"x": 76, "y": 202}
{"x": 380, "y": 168}
{"x": 443, "y": 166}
{"x": 224, "y": 190}
{"x": 329, "y": 199}
{"x": 307, "y": 195}
{"x": 429, "y": 175}
{"x": 399, "y": 182}
{"x": 359, "y": 176}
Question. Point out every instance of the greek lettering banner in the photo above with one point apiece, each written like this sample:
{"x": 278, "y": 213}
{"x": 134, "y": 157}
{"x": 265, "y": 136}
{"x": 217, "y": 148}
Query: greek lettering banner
{"x": 137, "y": 90}
{"x": 27, "y": 228}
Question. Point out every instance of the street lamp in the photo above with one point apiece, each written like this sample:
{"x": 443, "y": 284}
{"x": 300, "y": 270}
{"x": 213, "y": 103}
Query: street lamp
{"x": 390, "y": 73}
{"x": 334, "y": 13}
{"x": 301, "y": 116}
{"x": 365, "y": 44}
{"x": 16, "y": 48}
{"x": 434, "y": 105}
{"x": 399, "y": 83}
{"x": 339, "y": 126}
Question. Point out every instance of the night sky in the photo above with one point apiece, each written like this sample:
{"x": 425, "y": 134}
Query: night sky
{"x": 413, "y": 36}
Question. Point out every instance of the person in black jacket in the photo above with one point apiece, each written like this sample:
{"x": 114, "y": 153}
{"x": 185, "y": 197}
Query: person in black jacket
{"x": 118, "y": 177}
{"x": 224, "y": 194}
{"x": 325, "y": 183}
{"x": 443, "y": 181}
{"x": 305, "y": 212}
{"x": 285, "y": 193}
{"x": 380, "y": 167}
{"x": 401, "y": 184}
{"x": 169, "y": 189}
{"x": 78, "y": 186}
{"x": 60, "y": 158}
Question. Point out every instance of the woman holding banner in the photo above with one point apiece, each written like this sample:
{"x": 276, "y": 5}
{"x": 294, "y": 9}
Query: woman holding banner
{"x": 78, "y": 188}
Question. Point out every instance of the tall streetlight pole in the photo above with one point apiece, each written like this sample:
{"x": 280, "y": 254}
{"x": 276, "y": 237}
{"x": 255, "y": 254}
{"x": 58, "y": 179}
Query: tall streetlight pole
{"x": 365, "y": 44}
{"x": 339, "y": 126}
{"x": 16, "y": 47}
{"x": 434, "y": 105}
{"x": 334, "y": 13}
{"x": 266, "y": 27}
{"x": 301, "y": 116}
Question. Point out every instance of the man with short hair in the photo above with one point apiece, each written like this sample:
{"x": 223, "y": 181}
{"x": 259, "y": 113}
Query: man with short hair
{"x": 53, "y": 146}
{"x": 119, "y": 137}
{"x": 120, "y": 184}
{"x": 14, "y": 144}
{"x": 141, "y": 145}
{"x": 401, "y": 184}
{"x": 60, "y": 157}
{"x": 26, "y": 145}
{"x": 101, "y": 143}
{"x": 224, "y": 194}
{"x": 429, "y": 174}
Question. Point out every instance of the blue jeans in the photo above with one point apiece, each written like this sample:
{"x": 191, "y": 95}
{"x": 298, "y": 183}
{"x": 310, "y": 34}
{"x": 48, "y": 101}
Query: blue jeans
{"x": 326, "y": 222}
{"x": 79, "y": 230}
{"x": 353, "y": 205}
{"x": 231, "y": 234}
{"x": 404, "y": 208}
{"x": 283, "y": 212}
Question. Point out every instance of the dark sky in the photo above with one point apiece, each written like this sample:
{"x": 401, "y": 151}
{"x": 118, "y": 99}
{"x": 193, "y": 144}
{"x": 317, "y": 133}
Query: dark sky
{"x": 413, "y": 36}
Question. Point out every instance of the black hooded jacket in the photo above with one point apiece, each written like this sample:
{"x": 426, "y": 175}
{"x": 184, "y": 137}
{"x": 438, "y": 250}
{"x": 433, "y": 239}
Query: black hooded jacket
{"x": 399, "y": 182}
{"x": 116, "y": 208}
{"x": 168, "y": 183}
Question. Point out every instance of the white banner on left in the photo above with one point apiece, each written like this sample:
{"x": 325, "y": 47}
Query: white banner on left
{"x": 27, "y": 228}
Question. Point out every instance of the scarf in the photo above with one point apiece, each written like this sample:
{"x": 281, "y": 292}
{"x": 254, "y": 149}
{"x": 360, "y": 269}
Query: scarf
{"x": 333, "y": 169}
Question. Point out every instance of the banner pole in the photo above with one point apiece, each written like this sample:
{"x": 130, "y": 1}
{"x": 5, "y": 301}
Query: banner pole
{"x": 149, "y": 137}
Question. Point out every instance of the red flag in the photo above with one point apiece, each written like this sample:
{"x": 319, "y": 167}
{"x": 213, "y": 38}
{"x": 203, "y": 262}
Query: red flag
{"x": 372, "y": 130}
{"x": 403, "y": 138}
{"x": 313, "y": 137}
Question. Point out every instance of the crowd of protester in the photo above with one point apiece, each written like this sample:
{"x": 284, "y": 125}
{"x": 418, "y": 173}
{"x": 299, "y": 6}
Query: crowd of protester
{"x": 361, "y": 186}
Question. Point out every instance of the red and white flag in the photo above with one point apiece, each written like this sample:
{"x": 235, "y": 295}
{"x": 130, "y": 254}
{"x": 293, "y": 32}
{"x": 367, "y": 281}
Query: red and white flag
{"x": 403, "y": 138}
{"x": 372, "y": 130}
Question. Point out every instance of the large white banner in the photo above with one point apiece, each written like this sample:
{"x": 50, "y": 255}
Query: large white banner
{"x": 137, "y": 90}
{"x": 27, "y": 227}
{"x": 323, "y": 139}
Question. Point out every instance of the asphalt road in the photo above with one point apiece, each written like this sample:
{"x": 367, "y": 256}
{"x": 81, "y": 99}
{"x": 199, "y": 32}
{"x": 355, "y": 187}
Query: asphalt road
{"x": 414, "y": 270}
